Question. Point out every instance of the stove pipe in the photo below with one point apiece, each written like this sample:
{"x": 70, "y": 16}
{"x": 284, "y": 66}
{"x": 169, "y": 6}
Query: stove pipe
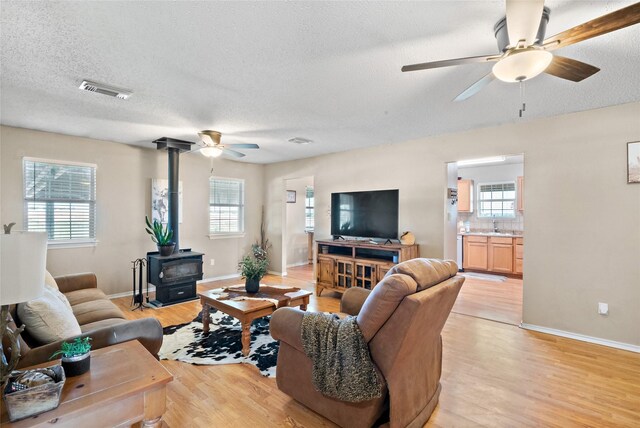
{"x": 174, "y": 201}
{"x": 174, "y": 147}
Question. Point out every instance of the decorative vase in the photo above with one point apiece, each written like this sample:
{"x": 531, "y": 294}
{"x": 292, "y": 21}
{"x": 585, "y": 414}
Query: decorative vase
{"x": 166, "y": 250}
{"x": 252, "y": 285}
{"x": 76, "y": 365}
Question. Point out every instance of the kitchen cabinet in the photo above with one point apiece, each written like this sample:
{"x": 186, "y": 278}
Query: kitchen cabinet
{"x": 500, "y": 255}
{"x": 465, "y": 196}
{"x": 475, "y": 253}
{"x": 520, "y": 194}
{"x": 518, "y": 255}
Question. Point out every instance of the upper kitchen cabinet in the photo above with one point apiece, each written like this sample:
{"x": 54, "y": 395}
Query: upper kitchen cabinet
{"x": 520, "y": 194}
{"x": 465, "y": 196}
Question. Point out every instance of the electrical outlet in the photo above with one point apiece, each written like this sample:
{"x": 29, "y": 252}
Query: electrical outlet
{"x": 212, "y": 262}
{"x": 603, "y": 308}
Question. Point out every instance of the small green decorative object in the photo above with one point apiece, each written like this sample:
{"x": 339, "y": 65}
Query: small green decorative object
{"x": 253, "y": 269}
{"x": 160, "y": 234}
{"x": 76, "y": 358}
{"x": 77, "y": 347}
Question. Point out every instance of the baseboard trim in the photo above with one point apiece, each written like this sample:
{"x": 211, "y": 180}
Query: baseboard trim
{"x": 299, "y": 264}
{"x": 218, "y": 278}
{"x": 130, "y": 293}
{"x": 153, "y": 287}
{"x": 273, "y": 272}
{"x": 581, "y": 337}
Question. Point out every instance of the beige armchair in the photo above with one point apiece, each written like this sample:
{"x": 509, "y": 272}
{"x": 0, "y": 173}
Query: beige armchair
{"x": 401, "y": 319}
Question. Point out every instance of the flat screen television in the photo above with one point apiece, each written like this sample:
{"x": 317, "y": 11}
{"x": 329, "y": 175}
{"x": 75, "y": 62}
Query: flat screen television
{"x": 372, "y": 214}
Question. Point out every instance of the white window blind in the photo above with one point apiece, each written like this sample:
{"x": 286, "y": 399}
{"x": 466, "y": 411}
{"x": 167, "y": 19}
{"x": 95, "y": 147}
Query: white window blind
{"x": 308, "y": 209}
{"x": 60, "y": 199}
{"x": 226, "y": 205}
{"x": 497, "y": 200}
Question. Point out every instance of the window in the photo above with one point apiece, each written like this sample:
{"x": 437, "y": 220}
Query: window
{"x": 308, "y": 209}
{"x": 226, "y": 205}
{"x": 60, "y": 199}
{"x": 497, "y": 199}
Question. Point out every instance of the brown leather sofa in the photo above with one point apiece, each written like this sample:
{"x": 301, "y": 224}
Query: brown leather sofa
{"x": 98, "y": 317}
{"x": 401, "y": 319}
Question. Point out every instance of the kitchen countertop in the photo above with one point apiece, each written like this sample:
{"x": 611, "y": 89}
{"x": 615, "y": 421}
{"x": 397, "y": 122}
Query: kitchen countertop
{"x": 498, "y": 234}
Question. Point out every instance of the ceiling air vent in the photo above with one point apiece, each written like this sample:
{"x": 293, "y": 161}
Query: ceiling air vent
{"x": 300, "y": 140}
{"x": 103, "y": 89}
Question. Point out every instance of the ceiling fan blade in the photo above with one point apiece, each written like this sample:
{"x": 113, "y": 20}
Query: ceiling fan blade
{"x": 476, "y": 87}
{"x": 570, "y": 69}
{"x": 233, "y": 153}
{"x": 523, "y": 20}
{"x": 613, "y": 21}
{"x": 450, "y": 62}
{"x": 243, "y": 146}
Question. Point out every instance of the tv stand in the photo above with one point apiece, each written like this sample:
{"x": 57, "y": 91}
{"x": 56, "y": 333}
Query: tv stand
{"x": 338, "y": 237}
{"x": 350, "y": 263}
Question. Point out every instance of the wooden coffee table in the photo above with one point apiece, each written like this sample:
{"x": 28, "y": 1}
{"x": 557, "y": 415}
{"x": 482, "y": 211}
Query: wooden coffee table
{"x": 248, "y": 310}
{"x": 125, "y": 385}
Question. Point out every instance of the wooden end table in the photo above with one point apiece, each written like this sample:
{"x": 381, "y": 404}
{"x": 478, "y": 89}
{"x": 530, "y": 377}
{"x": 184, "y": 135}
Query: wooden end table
{"x": 247, "y": 310}
{"x": 125, "y": 385}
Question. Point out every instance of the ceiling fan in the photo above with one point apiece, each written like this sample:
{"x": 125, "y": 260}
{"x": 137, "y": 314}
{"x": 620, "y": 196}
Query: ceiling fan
{"x": 525, "y": 53}
{"x": 213, "y": 148}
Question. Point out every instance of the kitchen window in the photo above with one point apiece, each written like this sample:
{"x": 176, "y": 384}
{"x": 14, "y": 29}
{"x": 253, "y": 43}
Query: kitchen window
{"x": 226, "y": 206}
{"x": 497, "y": 199}
{"x": 60, "y": 199}
{"x": 308, "y": 209}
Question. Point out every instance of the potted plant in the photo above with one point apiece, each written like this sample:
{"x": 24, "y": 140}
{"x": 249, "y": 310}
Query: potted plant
{"x": 253, "y": 269}
{"x": 161, "y": 235}
{"x": 76, "y": 358}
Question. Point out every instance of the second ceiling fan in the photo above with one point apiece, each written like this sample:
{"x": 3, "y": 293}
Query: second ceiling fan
{"x": 525, "y": 53}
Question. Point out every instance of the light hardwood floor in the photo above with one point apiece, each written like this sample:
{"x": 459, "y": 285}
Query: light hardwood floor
{"x": 494, "y": 375}
{"x": 492, "y": 300}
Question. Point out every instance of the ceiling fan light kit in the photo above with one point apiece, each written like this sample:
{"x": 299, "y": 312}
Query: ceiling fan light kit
{"x": 522, "y": 64}
{"x": 211, "y": 151}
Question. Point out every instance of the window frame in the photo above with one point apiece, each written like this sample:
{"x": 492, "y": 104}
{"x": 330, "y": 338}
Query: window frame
{"x": 309, "y": 208}
{"x": 241, "y": 232}
{"x": 479, "y": 199}
{"x": 62, "y": 243}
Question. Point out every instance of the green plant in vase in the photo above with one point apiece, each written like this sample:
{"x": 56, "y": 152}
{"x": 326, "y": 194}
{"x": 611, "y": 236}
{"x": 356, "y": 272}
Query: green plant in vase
{"x": 253, "y": 269}
{"x": 76, "y": 356}
{"x": 161, "y": 235}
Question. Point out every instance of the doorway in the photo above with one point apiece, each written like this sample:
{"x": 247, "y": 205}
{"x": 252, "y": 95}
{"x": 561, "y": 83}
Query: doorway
{"x": 484, "y": 233}
{"x": 298, "y": 228}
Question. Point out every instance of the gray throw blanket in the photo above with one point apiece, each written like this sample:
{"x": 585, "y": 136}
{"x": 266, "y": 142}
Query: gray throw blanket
{"x": 342, "y": 366}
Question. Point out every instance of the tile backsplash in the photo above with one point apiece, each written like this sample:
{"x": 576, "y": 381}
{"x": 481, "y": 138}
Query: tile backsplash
{"x": 482, "y": 224}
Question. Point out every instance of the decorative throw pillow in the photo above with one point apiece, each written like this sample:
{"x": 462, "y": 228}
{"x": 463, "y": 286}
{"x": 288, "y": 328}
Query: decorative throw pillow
{"x": 48, "y": 318}
{"x": 49, "y": 281}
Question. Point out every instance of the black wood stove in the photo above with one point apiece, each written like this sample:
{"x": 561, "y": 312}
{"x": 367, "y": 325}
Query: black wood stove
{"x": 174, "y": 276}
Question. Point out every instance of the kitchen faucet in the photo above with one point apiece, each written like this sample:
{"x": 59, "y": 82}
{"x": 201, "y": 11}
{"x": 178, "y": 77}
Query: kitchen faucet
{"x": 495, "y": 227}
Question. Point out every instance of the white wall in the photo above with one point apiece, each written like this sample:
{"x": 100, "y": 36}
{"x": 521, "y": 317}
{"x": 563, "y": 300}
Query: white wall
{"x": 582, "y": 225}
{"x": 296, "y": 241}
{"x": 123, "y": 199}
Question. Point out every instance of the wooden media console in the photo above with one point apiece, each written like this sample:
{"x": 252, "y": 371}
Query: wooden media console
{"x": 357, "y": 263}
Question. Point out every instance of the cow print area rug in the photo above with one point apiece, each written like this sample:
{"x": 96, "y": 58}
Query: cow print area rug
{"x": 188, "y": 343}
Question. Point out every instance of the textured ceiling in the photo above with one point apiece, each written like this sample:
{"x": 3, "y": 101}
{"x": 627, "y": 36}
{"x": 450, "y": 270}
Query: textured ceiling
{"x": 264, "y": 72}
